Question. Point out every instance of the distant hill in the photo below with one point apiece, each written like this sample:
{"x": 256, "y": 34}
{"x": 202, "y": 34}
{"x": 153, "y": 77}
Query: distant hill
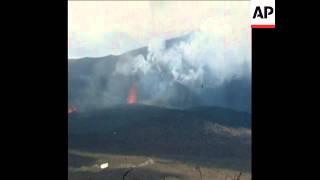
{"x": 92, "y": 84}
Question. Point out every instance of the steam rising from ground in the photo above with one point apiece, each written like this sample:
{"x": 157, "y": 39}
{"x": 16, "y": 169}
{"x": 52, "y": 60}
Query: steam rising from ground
{"x": 201, "y": 68}
{"x": 210, "y": 66}
{"x": 204, "y": 59}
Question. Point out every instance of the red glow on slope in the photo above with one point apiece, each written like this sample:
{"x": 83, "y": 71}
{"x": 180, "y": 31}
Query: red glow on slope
{"x": 132, "y": 96}
{"x": 72, "y": 109}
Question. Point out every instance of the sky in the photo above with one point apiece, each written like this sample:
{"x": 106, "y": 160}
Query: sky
{"x": 101, "y": 28}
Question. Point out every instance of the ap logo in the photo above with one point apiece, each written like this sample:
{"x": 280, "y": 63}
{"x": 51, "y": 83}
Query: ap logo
{"x": 263, "y": 13}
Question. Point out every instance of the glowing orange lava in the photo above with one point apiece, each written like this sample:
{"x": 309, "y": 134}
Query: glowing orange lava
{"x": 132, "y": 96}
{"x": 72, "y": 109}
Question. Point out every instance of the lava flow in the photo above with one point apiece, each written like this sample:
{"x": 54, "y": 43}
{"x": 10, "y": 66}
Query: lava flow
{"x": 72, "y": 109}
{"x": 132, "y": 96}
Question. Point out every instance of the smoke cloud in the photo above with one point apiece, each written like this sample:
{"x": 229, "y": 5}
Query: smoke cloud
{"x": 201, "y": 60}
{"x": 208, "y": 67}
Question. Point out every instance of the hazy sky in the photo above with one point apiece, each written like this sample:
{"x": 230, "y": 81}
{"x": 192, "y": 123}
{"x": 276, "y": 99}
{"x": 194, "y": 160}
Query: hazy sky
{"x": 100, "y": 28}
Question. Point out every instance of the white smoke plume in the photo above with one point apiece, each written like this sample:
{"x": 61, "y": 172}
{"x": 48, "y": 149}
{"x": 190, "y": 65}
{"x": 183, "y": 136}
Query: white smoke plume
{"x": 210, "y": 66}
{"x": 202, "y": 68}
{"x": 203, "y": 58}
